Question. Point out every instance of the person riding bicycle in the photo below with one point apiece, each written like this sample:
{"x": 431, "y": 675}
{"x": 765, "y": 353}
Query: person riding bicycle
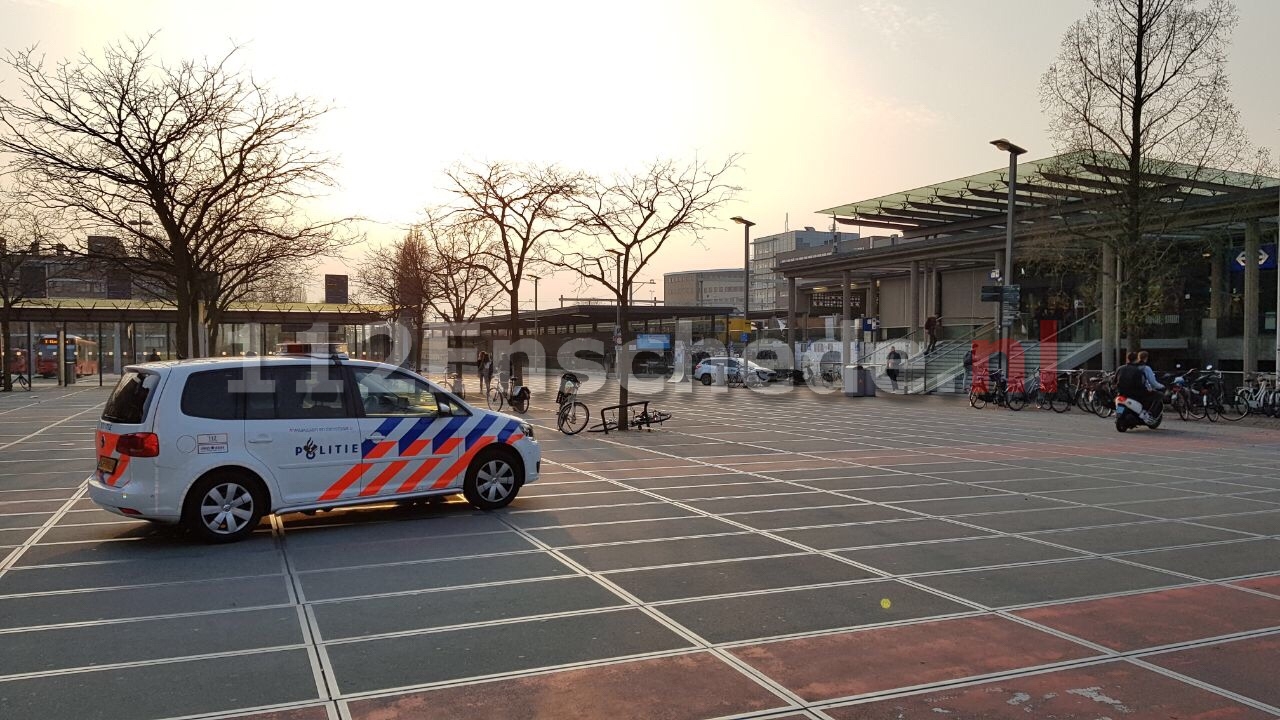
{"x": 1138, "y": 381}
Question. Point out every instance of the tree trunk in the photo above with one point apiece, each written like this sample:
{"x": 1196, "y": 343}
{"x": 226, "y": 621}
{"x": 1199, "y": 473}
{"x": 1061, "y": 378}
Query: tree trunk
{"x": 183, "y": 299}
{"x": 6, "y": 351}
{"x": 622, "y": 363}
{"x": 419, "y": 327}
{"x": 513, "y": 336}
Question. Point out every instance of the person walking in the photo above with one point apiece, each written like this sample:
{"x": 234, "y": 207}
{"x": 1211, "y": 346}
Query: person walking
{"x": 932, "y": 325}
{"x": 892, "y": 363}
{"x": 968, "y": 366}
{"x": 484, "y": 365}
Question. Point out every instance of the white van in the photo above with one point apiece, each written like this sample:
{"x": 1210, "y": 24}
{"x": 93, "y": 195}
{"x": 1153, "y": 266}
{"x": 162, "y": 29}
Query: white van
{"x": 217, "y": 444}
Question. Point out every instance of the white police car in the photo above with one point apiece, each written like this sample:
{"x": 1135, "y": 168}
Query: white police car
{"x": 216, "y": 444}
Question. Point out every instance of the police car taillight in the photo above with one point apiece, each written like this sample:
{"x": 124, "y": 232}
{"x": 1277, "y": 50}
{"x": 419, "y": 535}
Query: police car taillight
{"x": 139, "y": 445}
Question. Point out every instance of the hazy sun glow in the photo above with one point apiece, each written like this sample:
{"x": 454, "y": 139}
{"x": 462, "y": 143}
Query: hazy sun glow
{"x": 830, "y": 100}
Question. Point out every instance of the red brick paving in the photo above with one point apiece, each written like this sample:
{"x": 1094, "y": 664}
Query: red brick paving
{"x": 1115, "y": 690}
{"x": 686, "y": 687}
{"x": 1159, "y": 618}
{"x": 1249, "y": 667}
{"x": 1270, "y": 584}
{"x": 854, "y": 663}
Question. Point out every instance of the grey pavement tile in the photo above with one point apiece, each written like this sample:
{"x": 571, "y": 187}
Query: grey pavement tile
{"x": 152, "y": 639}
{"x": 748, "y": 486}
{"x": 541, "y": 488}
{"x": 835, "y": 471}
{"x": 1216, "y": 562}
{"x": 375, "y": 664}
{"x": 1065, "y": 482}
{"x": 351, "y": 582}
{"x": 556, "y": 502}
{"x": 1217, "y": 487}
{"x": 796, "y": 499}
{"x": 840, "y": 514}
{"x": 23, "y": 520}
{"x": 256, "y": 552}
{"x": 126, "y": 530}
{"x": 633, "y": 530}
{"x": 737, "y": 576}
{"x": 142, "y": 601}
{"x": 923, "y": 492}
{"x": 1264, "y": 523}
{"x": 867, "y": 481}
{"x": 165, "y": 690}
{"x": 810, "y": 610}
{"x": 710, "y": 478}
{"x": 945, "y": 466}
{"x": 16, "y": 536}
{"x": 1144, "y": 536}
{"x": 879, "y": 533}
{"x": 1002, "y": 587}
{"x": 30, "y": 506}
{"x": 61, "y": 495}
{"x": 667, "y": 552}
{"x": 966, "y": 506}
{"x": 1053, "y": 519}
{"x": 1103, "y": 496}
{"x": 955, "y": 555}
{"x": 1196, "y": 507}
{"x": 317, "y": 557}
{"x": 417, "y": 611}
{"x": 553, "y": 518}
{"x": 984, "y": 476}
{"x": 352, "y": 526}
{"x": 137, "y": 572}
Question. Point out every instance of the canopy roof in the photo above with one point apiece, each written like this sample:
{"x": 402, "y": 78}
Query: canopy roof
{"x": 1058, "y": 185}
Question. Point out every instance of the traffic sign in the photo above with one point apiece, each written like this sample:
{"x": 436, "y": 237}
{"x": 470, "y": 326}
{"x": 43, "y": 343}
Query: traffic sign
{"x": 744, "y": 337}
{"x": 990, "y": 293}
{"x": 998, "y": 293}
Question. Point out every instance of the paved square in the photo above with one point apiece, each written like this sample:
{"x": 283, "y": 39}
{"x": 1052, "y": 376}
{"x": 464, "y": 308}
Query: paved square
{"x": 765, "y": 554}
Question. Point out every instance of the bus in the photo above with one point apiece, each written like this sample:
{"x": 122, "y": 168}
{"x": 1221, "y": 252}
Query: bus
{"x": 82, "y": 350}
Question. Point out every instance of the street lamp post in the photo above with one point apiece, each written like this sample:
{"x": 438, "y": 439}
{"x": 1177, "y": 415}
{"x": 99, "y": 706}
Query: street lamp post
{"x": 1014, "y": 151}
{"x": 746, "y": 271}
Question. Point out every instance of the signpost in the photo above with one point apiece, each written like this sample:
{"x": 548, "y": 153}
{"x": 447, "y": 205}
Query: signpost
{"x": 1009, "y": 297}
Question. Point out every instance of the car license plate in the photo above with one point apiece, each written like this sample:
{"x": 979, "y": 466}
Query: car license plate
{"x": 107, "y": 465}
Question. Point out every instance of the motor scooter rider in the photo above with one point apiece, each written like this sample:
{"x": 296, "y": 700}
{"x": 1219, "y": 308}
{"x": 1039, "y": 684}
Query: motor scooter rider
{"x": 1149, "y": 375}
{"x": 1132, "y": 381}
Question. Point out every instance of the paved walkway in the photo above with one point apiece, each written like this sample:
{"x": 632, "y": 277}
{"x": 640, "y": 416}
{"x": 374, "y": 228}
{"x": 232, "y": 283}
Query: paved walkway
{"x": 775, "y": 557}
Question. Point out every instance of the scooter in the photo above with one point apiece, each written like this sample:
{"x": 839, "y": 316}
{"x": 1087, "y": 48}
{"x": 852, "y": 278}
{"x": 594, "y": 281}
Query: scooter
{"x": 1131, "y": 414}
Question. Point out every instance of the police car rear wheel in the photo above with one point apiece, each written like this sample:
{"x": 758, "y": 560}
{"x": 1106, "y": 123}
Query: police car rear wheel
{"x": 492, "y": 481}
{"x": 224, "y": 507}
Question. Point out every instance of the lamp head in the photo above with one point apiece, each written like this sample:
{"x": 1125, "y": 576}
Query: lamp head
{"x": 1007, "y": 146}
{"x": 741, "y": 220}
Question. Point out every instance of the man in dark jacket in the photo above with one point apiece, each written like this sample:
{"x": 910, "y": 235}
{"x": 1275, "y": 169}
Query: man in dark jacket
{"x": 1131, "y": 381}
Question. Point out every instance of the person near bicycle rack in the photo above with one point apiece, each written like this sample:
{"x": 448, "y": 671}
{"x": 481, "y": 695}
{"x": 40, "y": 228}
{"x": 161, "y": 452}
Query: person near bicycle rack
{"x": 484, "y": 366}
{"x": 892, "y": 363}
{"x": 1137, "y": 381}
{"x": 968, "y": 366}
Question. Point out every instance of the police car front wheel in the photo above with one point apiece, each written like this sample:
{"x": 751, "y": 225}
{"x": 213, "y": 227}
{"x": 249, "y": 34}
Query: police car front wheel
{"x": 224, "y": 507}
{"x": 492, "y": 481}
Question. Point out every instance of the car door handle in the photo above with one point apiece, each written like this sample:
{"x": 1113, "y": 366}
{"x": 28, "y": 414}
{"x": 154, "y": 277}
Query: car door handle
{"x": 260, "y": 438}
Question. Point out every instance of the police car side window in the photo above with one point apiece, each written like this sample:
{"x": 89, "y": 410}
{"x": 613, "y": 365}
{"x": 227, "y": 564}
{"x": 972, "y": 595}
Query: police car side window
{"x": 211, "y": 394}
{"x": 394, "y": 394}
{"x": 298, "y": 392}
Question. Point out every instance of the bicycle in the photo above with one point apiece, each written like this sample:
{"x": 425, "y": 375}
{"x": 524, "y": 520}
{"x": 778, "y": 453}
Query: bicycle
{"x": 507, "y": 392}
{"x": 573, "y": 416}
{"x": 19, "y": 380}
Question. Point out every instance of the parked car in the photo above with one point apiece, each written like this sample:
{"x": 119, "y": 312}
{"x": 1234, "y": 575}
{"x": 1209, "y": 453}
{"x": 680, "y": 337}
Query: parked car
{"x": 707, "y": 370}
{"x": 216, "y": 444}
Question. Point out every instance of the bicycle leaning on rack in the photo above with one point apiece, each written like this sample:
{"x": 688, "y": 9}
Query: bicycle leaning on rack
{"x": 19, "y": 380}
{"x": 573, "y": 415}
{"x": 506, "y": 391}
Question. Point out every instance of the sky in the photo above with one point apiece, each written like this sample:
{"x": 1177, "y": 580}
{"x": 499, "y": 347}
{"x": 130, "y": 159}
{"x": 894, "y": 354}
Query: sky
{"x": 829, "y": 101}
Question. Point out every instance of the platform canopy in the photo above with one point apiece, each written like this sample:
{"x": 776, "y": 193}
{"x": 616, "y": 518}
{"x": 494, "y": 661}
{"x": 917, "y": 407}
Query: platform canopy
{"x": 1050, "y": 188}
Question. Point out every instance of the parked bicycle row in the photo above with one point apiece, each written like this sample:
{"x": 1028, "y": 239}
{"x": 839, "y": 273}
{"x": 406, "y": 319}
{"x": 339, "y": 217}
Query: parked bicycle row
{"x": 1196, "y": 394}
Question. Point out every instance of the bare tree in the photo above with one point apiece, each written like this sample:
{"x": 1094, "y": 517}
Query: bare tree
{"x": 187, "y": 162}
{"x": 627, "y": 220}
{"x": 525, "y": 208}
{"x": 462, "y": 258}
{"x": 398, "y": 277}
{"x": 1139, "y": 101}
